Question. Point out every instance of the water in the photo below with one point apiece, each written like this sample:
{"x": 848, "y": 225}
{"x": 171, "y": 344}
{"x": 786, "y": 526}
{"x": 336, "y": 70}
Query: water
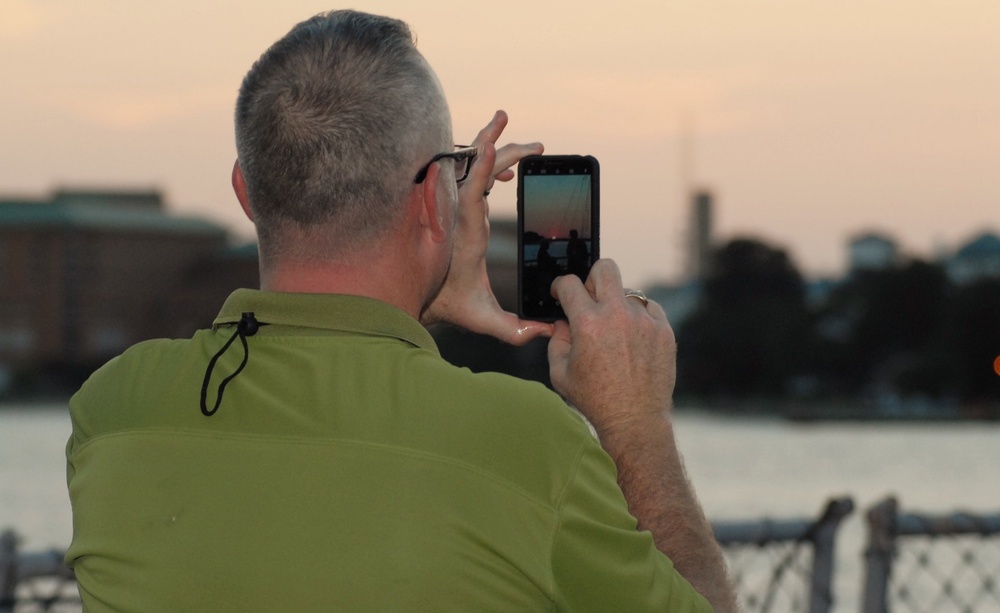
{"x": 741, "y": 468}
{"x": 33, "y": 498}
{"x": 747, "y": 469}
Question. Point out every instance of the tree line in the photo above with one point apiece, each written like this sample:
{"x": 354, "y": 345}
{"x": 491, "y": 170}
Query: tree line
{"x": 904, "y": 334}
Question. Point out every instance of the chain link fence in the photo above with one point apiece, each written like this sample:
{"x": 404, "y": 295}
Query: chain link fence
{"x": 35, "y": 582}
{"x": 931, "y": 563}
{"x": 784, "y": 565}
{"x": 913, "y": 564}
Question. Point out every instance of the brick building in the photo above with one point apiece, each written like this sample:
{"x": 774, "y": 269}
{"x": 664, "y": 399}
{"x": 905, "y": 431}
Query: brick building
{"x": 85, "y": 274}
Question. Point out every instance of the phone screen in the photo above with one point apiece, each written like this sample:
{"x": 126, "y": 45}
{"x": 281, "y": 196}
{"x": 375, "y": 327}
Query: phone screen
{"x": 558, "y": 227}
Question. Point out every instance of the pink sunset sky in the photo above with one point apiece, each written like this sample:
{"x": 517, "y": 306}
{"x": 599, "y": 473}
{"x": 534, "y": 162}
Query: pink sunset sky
{"x": 811, "y": 121}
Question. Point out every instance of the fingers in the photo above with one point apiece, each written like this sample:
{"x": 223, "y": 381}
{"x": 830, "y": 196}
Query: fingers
{"x": 603, "y": 286}
{"x": 505, "y": 175}
{"x": 480, "y": 178}
{"x": 605, "y": 281}
{"x": 485, "y": 316}
{"x": 560, "y": 344}
{"x": 511, "y": 153}
{"x": 615, "y": 356}
{"x": 505, "y": 157}
{"x": 480, "y": 175}
{"x": 492, "y": 131}
{"x": 572, "y": 295}
{"x": 656, "y": 311}
{"x": 466, "y": 298}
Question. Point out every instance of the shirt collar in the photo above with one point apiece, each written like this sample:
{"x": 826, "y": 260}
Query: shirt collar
{"x": 333, "y": 312}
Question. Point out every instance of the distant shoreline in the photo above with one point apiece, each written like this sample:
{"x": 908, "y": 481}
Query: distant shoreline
{"x": 794, "y": 411}
{"x": 32, "y": 404}
{"x": 846, "y": 410}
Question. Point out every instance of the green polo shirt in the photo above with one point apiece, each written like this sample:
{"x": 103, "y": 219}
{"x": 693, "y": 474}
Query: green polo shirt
{"x": 348, "y": 468}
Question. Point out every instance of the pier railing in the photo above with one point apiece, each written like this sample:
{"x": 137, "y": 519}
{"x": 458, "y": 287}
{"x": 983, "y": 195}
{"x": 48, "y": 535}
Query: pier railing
{"x": 32, "y": 582}
{"x": 914, "y": 564}
{"x": 784, "y": 565}
{"x": 939, "y": 563}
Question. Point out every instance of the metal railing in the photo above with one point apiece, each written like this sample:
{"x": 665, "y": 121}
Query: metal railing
{"x": 784, "y": 565}
{"x": 35, "y": 581}
{"x": 939, "y": 563}
{"x": 914, "y": 563}
{"x": 778, "y": 565}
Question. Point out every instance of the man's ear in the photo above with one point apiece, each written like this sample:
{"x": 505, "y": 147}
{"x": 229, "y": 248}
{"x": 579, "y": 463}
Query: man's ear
{"x": 432, "y": 210}
{"x": 240, "y": 187}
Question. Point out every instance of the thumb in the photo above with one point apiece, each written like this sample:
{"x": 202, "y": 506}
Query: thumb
{"x": 528, "y": 331}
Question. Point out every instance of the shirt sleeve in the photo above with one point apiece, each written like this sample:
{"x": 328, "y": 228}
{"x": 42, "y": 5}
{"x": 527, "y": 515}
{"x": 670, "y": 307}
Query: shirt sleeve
{"x": 600, "y": 560}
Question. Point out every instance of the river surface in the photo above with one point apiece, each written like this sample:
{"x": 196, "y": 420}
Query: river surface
{"x": 742, "y": 468}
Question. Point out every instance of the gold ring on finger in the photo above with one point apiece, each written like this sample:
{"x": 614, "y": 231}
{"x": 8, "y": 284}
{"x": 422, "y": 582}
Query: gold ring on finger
{"x": 638, "y": 295}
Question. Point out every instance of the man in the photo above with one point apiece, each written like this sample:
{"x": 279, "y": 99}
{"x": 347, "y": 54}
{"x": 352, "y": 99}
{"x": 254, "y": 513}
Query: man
{"x": 312, "y": 451}
{"x": 577, "y": 255}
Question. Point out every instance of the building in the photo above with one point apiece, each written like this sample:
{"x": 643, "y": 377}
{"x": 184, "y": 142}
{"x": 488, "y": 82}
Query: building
{"x": 872, "y": 251}
{"x": 699, "y": 256}
{"x": 977, "y": 259}
{"x": 85, "y": 274}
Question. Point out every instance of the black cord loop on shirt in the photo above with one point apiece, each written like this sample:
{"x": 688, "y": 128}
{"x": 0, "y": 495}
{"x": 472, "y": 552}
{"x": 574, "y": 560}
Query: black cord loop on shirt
{"x": 247, "y": 326}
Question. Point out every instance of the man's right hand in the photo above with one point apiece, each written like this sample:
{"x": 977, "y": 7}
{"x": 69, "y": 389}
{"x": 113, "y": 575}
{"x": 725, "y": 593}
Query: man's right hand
{"x": 615, "y": 360}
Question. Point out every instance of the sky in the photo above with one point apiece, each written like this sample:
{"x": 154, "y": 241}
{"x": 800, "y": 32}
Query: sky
{"x": 556, "y": 205}
{"x": 811, "y": 121}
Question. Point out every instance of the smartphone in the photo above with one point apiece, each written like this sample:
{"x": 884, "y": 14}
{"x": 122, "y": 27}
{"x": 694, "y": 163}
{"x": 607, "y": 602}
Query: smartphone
{"x": 558, "y": 227}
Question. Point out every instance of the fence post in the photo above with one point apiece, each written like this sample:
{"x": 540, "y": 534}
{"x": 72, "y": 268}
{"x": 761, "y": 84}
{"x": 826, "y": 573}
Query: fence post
{"x": 8, "y": 570}
{"x": 878, "y": 555}
{"x": 824, "y": 538}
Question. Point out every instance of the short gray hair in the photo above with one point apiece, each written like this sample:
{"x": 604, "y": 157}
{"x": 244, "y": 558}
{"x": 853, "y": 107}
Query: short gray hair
{"x": 330, "y": 124}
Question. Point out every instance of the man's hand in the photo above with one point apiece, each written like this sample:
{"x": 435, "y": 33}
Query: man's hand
{"x": 466, "y": 298}
{"x": 616, "y": 358}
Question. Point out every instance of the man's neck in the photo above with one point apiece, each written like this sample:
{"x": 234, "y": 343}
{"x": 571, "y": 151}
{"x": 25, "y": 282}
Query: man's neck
{"x": 385, "y": 278}
{"x": 402, "y": 267}
{"x": 336, "y": 278}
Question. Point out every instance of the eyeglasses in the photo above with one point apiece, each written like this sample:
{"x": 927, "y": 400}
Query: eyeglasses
{"x": 462, "y": 157}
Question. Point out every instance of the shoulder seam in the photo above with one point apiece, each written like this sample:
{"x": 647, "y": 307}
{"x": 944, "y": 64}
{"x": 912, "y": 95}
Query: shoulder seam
{"x": 561, "y": 500}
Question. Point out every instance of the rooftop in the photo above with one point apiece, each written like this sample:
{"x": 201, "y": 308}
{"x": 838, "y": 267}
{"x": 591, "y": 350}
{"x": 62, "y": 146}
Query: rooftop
{"x": 986, "y": 244}
{"x": 101, "y": 210}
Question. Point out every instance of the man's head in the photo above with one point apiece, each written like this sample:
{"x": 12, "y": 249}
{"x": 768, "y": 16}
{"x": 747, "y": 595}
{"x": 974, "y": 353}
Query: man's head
{"x": 332, "y": 123}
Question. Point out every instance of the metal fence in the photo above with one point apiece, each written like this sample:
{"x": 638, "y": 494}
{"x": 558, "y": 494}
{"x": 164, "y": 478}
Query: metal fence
{"x": 914, "y": 563}
{"x": 784, "y": 565}
{"x": 925, "y": 563}
{"x": 35, "y": 581}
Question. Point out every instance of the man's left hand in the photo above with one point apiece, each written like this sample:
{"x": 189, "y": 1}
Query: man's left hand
{"x": 466, "y": 298}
